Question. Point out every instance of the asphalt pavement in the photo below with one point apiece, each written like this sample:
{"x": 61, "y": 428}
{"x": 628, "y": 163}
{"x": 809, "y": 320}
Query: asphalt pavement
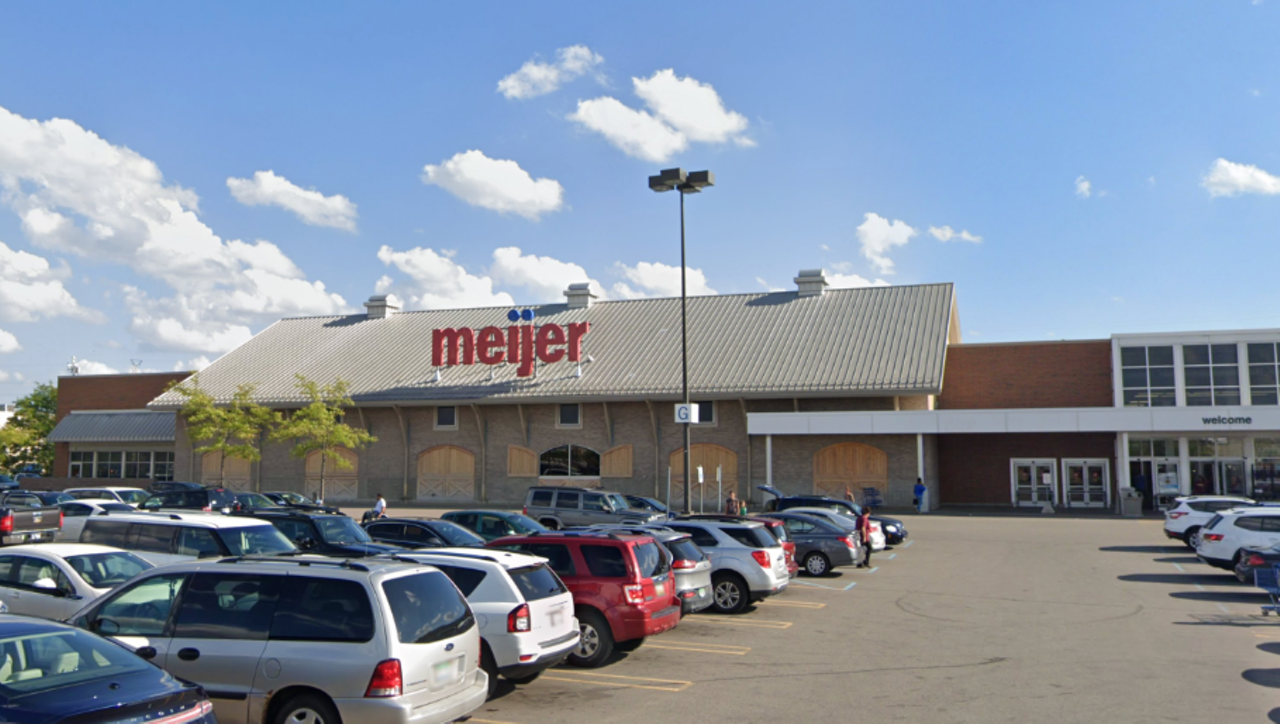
{"x": 975, "y": 619}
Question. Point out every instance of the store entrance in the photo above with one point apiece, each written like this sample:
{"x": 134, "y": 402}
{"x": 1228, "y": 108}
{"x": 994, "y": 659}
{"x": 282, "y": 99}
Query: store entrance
{"x": 1034, "y": 482}
{"x": 1217, "y": 477}
{"x": 1086, "y": 483}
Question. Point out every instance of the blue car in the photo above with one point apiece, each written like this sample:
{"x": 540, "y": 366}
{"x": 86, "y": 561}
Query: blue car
{"x": 494, "y": 524}
{"x": 51, "y": 672}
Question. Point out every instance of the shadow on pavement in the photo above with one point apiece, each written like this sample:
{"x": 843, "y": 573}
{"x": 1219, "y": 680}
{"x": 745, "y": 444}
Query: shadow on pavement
{"x": 1139, "y": 549}
{"x": 1255, "y": 597}
{"x": 1262, "y": 677}
{"x": 1270, "y": 647}
{"x": 1204, "y": 579}
{"x": 1274, "y": 715}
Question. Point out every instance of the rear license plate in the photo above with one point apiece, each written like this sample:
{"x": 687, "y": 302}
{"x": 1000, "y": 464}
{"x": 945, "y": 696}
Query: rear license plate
{"x": 443, "y": 672}
{"x": 34, "y": 536}
{"x": 658, "y": 588}
{"x": 555, "y": 616}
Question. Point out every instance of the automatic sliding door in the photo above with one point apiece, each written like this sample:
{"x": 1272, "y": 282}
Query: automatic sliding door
{"x": 1033, "y": 482}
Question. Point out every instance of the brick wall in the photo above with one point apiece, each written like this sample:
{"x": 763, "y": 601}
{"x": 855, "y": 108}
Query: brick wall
{"x": 106, "y": 392}
{"x": 1027, "y": 374}
{"x": 974, "y": 469}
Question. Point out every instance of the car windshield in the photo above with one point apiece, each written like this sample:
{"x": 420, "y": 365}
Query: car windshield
{"x": 108, "y": 570}
{"x": 254, "y": 500}
{"x": 56, "y": 658}
{"x": 295, "y": 499}
{"x": 537, "y": 582}
{"x": 116, "y": 507}
{"x": 525, "y": 525}
{"x": 339, "y": 530}
{"x": 55, "y": 498}
{"x": 685, "y": 549}
{"x": 427, "y": 607}
{"x": 5, "y": 479}
{"x": 619, "y": 502}
{"x": 1213, "y": 522}
{"x": 133, "y": 497}
{"x": 456, "y": 535}
{"x": 256, "y": 540}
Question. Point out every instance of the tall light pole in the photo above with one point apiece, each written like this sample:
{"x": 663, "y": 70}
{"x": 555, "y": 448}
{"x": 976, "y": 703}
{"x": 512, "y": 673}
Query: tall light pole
{"x": 675, "y": 179}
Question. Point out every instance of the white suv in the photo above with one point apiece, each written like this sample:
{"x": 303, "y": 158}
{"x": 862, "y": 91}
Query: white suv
{"x": 747, "y": 563}
{"x": 526, "y": 613}
{"x": 163, "y": 538}
{"x": 1222, "y": 538}
{"x": 1185, "y": 519}
{"x": 305, "y": 639}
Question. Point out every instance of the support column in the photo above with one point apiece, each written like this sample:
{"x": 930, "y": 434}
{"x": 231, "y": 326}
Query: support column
{"x": 1249, "y": 459}
{"x": 1122, "y": 459}
{"x": 768, "y": 460}
{"x": 404, "y": 438}
{"x": 1184, "y": 466}
{"x": 919, "y": 456}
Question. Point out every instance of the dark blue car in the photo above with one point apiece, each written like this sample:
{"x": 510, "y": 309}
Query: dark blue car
{"x": 51, "y": 672}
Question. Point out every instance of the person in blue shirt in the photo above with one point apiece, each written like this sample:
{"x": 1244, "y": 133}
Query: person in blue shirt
{"x": 920, "y": 491}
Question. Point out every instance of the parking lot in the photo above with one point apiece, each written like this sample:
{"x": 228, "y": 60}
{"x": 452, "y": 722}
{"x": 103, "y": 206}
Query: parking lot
{"x": 976, "y": 619}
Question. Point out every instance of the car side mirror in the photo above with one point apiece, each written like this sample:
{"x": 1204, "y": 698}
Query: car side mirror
{"x": 46, "y": 584}
{"x": 104, "y": 626}
{"x": 305, "y": 543}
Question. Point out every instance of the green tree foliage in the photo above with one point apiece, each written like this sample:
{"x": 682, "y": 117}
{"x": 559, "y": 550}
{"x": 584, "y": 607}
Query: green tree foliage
{"x": 319, "y": 425}
{"x": 27, "y": 439}
{"x": 233, "y": 429}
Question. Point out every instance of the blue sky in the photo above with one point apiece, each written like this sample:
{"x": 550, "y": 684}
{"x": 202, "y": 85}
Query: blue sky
{"x": 218, "y": 167}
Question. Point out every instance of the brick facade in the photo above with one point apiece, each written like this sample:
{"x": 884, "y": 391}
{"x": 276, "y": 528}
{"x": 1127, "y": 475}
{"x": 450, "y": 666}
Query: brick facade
{"x": 975, "y": 469}
{"x": 1027, "y": 374}
{"x": 107, "y": 392}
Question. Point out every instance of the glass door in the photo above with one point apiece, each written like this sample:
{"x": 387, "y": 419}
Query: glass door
{"x": 1034, "y": 482}
{"x": 1231, "y": 477}
{"x": 1204, "y": 478}
{"x": 1087, "y": 483}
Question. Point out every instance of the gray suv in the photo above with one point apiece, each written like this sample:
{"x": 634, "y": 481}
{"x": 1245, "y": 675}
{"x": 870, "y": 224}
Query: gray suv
{"x": 560, "y": 507}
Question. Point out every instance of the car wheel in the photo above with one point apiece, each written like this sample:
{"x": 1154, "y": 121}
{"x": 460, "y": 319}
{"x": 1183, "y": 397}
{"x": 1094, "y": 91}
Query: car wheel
{"x": 550, "y": 524}
{"x": 1242, "y": 576}
{"x": 307, "y": 709}
{"x": 596, "y": 644}
{"x": 490, "y": 667}
{"x": 729, "y": 593}
{"x": 816, "y": 564}
{"x": 1192, "y": 537}
{"x": 629, "y": 646}
{"x": 524, "y": 679}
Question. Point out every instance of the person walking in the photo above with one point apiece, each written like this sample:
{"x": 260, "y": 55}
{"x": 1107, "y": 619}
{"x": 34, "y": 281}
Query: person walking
{"x": 863, "y": 531}
{"x": 848, "y": 495}
{"x": 731, "y": 506}
{"x": 920, "y": 491}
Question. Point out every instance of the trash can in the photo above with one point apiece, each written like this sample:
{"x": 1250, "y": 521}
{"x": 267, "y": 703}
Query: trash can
{"x": 1131, "y": 502}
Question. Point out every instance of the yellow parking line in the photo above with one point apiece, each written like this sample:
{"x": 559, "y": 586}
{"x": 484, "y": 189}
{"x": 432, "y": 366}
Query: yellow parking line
{"x": 778, "y": 625}
{"x": 794, "y": 604}
{"x": 488, "y": 721}
{"x": 582, "y": 677}
{"x": 702, "y": 648}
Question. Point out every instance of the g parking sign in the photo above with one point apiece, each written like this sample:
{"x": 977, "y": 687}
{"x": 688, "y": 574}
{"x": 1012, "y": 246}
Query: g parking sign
{"x": 686, "y": 414}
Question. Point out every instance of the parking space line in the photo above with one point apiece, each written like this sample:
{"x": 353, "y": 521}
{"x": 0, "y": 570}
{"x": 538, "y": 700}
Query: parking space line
{"x": 908, "y": 544}
{"x": 582, "y": 677}
{"x": 1179, "y": 567}
{"x": 891, "y": 556}
{"x": 1224, "y": 608}
{"x": 819, "y": 585}
{"x": 488, "y": 721}
{"x": 793, "y": 604}
{"x": 702, "y": 648}
{"x": 1199, "y": 587}
{"x": 873, "y": 570}
{"x": 776, "y": 625}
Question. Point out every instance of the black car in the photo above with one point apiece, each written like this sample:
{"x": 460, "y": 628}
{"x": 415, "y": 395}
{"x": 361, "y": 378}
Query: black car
{"x": 172, "y": 486}
{"x": 52, "y": 497}
{"x": 1251, "y": 559}
{"x": 820, "y": 545}
{"x": 254, "y": 502}
{"x": 648, "y": 505}
{"x": 54, "y": 672}
{"x": 7, "y": 482}
{"x": 326, "y": 534}
{"x": 207, "y": 500}
{"x": 288, "y": 499}
{"x": 894, "y": 531}
{"x": 416, "y": 533}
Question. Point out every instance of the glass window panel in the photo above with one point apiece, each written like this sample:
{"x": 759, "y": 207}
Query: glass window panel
{"x": 1133, "y": 356}
{"x": 1264, "y": 396}
{"x": 555, "y": 461}
{"x": 1139, "y": 448}
{"x": 1164, "y": 398}
{"x": 1200, "y": 448}
{"x": 1158, "y": 356}
{"x": 1265, "y": 352}
{"x": 1226, "y": 396}
{"x": 1164, "y": 448}
{"x": 1195, "y": 354}
{"x": 1198, "y": 376}
{"x": 570, "y": 415}
{"x": 1230, "y": 447}
{"x": 1262, "y": 374}
{"x": 1266, "y": 447}
{"x": 1161, "y": 376}
{"x": 1224, "y": 354}
{"x": 584, "y": 461}
{"x": 1135, "y": 398}
{"x": 1135, "y": 377}
{"x": 1199, "y": 398}
{"x": 1226, "y": 376}
{"x": 446, "y": 416}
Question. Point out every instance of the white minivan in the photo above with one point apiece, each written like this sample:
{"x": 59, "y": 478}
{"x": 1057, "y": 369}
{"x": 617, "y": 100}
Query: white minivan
{"x": 1222, "y": 538}
{"x": 164, "y": 538}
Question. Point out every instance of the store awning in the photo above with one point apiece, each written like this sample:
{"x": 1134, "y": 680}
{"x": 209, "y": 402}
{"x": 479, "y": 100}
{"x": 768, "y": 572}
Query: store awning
{"x": 121, "y": 426}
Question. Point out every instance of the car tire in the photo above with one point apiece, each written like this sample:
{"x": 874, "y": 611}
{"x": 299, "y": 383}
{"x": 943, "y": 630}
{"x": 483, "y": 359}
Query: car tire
{"x": 307, "y": 709}
{"x": 629, "y": 645}
{"x": 729, "y": 593}
{"x": 550, "y": 523}
{"x": 490, "y": 667}
{"x": 1192, "y": 537}
{"x": 524, "y": 679}
{"x": 1242, "y": 577}
{"x": 596, "y": 645}
{"x": 816, "y": 564}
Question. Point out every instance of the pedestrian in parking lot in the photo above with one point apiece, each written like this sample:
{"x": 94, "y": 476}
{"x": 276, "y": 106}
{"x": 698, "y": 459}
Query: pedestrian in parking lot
{"x": 731, "y": 506}
{"x": 848, "y": 495}
{"x": 743, "y": 510}
{"x": 920, "y": 491}
{"x": 863, "y": 531}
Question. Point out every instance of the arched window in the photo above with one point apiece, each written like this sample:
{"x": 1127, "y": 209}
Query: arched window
{"x": 570, "y": 461}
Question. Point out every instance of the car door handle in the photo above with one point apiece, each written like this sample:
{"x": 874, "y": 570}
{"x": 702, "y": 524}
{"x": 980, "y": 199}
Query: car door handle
{"x": 189, "y": 654}
{"x": 146, "y": 652}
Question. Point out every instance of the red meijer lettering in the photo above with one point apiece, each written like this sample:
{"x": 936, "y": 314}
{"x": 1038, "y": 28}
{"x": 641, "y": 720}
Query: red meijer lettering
{"x": 520, "y": 345}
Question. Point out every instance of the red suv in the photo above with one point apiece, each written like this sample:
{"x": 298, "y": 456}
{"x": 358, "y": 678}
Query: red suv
{"x": 622, "y": 587}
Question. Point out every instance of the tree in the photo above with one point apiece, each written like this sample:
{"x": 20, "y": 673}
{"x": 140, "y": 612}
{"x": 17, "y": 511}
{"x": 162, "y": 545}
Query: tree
{"x": 319, "y": 425}
{"x": 27, "y": 442}
{"x": 232, "y": 430}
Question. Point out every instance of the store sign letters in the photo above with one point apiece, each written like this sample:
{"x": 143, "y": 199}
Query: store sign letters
{"x": 519, "y": 345}
{"x": 1221, "y": 420}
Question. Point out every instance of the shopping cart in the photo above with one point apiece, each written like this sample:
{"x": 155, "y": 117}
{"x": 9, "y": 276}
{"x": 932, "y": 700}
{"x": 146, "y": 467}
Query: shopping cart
{"x": 871, "y": 498}
{"x": 1268, "y": 579}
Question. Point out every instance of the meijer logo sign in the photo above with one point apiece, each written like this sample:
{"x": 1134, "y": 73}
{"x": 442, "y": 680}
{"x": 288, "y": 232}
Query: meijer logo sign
{"x": 519, "y": 344}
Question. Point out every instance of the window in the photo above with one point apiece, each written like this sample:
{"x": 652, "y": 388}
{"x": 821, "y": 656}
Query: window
{"x": 110, "y": 465}
{"x": 1271, "y": 524}
{"x": 386, "y": 531}
{"x": 81, "y": 465}
{"x": 1139, "y": 448}
{"x": 684, "y": 549}
{"x": 228, "y": 606}
{"x": 427, "y": 608}
{"x": 323, "y": 609}
{"x": 706, "y": 412}
{"x": 75, "y": 510}
{"x": 1147, "y": 377}
{"x": 196, "y": 541}
{"x": 258, "y": 540}
{"x": 137, "y": 465}
{"x": 107, "y": 570}
{"x": 605, "y": 561}
{"x": 153, "y": 538}
{"x": 537, "y": 582}
{"x": 1263, "y": 374}
{"x": 594, "y": 501}
{"x": 541, "y": 499}
{"x": 142, "y": 610}
{"x": 569, "y": 416}
{"x": 570, "y": 460}
{"x": 466, "y": 579}
{"x": 568, "y": 500}
{"x": 650, "y": 560}
{"x": 1249, "y": 523}
{"x": 557, "y": 555}
{"x": 1212, "y": 374}
{"x": 751, "y": 537}
{"x": 32, "y": 570}
{"x": 447, "y": 418}
{"x": 701, "y": 537}
{"x": 162, "y": 466}
{"x": 48, "y": 663}
{"x": 799, "y": 526}
{"x": 105, "y": 532}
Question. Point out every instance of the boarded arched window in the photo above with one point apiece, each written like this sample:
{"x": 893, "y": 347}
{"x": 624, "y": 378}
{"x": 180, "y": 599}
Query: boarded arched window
{"x": 569, "y": 461}
{"x": 710, "y": 457}
{"x": 447, "y": 472}
{"x": 235, "y": 474}
{"x": 521, "y": 462}
{"x": 849, "y": 465}
{"x": 616, "y": 462}
{"x": 339, "y": 483}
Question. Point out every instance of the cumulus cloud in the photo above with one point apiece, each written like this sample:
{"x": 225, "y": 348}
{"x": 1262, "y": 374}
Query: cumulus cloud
{"x": 77, "y": 193}
{"x": 536, "y": 78}
{"x": 946, "y": 233}
{"x": 313, "y": 207}
{"x": 681, "y": 110}
{"x": 194, "y": 364}
{"x": 546, "y": 278}
{"x": 495, "y": 184}
{"x": 438, "y": 282}
{"x": 878, "y": 236}
{"x": 89, "y": 367}
{"x": 654, "y": 279}
{"x": 1084, "y": 187}
{"x": 767, "y": 286}
{"x": 1233, "y": 179}
{"x": 853, "y": 281}
{"x": 8, "y": 342}
{"x": 31, "y": 289}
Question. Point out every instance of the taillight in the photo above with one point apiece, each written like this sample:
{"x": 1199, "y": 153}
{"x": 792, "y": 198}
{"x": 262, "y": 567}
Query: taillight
{"x": 518, "y": 620}
{"x": 846, "y": 540}
{"x": 1257, "y": 560}
{"x": 386, "y": 681}
{"x": 762, "y": 557}
{"x": 634, "y": 593}
{"x": 207, "y": 509}
{"x": 525, "y": 510}
{"x": 1175, "y": 516}
{"x": 60, "y": 514}
{"x": 684, "y": 565}
{"x": 1213, "y": 537}
{"x": 6, "y": 524}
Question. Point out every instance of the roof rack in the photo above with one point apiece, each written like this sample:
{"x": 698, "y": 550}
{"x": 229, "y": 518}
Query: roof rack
{"x": 345, "y": 563}
{"x": 574, "y": 534}
{"x": 431, "y": 552}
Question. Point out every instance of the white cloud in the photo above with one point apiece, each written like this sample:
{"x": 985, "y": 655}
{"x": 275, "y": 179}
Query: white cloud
{"x": 1084, "y": 187}
{"x": 1255, "y": 92}
{"x": 946, "y": 233}
{"x": 5, "y": 376}
{"x": 536, "y": 78}
{"x": 658, "y": 280}
{"x": 31, "y": 289}
{"x": 437, "y": 282}
{"x": 853, "y": 281}
{"x": 824, "y": 247}
{"x": 89, "y": 367}
{"x": 313, "y": 207}
{"x": 195, "y": 364}
{"x": 878, "y": 236}
{"x": 546, "y": 278}
{"x": 681, "y": 110}
{"x": 495, "y": 184}
{"x": 1232, "y": 179}
{"x": 8, "y": 342}
{"x": 767, "y": 286}
{"x": 75, "y": 192}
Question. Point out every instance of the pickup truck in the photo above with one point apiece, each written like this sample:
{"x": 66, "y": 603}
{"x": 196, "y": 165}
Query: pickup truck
{"x": 23, "y": 520}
